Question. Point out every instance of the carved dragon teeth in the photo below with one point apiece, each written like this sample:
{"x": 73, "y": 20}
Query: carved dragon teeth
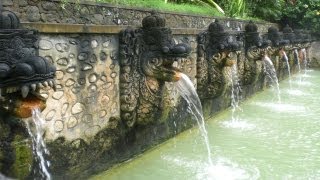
{"x": 24, "y": 91}
{"x": 33, "y": 87}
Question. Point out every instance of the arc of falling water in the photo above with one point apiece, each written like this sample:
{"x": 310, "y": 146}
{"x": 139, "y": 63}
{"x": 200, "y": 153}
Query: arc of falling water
{"x": 187, "y": 91}
{"x": 285, "y": 57}
{"x": 38, "y": 144}
{"x": 270, "y": 72}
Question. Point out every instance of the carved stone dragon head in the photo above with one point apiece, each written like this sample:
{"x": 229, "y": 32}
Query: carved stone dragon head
{"x": 22, "y": 72}
{"x": 160, "y": 50}
{"x": 255, "y": 46}
{"x": 222, "y": 45}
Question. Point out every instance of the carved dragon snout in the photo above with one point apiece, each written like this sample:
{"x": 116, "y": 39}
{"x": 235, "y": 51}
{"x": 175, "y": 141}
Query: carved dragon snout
{"x": 255, "y": 46}
{"x": 22, "y": 72}
{"x": 161, "y": 50}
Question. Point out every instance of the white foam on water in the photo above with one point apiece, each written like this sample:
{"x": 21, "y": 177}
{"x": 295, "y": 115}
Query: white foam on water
{"x": 304, "y": 83}
{"x": 281, "y": 107}
{"x": 221, "y": 169}
{"x": 238, "y": 124}
{"x": 224, "y": 169}
{"x": 295, "y": 92}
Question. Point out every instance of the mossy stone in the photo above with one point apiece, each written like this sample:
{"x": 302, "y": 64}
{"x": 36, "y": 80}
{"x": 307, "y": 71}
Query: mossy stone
{"x": 23, "y": 157}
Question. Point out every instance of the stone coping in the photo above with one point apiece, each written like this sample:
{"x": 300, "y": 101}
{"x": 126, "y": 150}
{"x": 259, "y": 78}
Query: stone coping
{"x": 94, "y": 29}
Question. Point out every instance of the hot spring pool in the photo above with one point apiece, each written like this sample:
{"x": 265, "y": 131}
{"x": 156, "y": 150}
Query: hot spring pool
{"x": 267, "y": 140}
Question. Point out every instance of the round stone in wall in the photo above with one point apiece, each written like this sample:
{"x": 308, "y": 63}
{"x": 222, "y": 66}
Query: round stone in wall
{"x": 33, "y": 14}
{"x": 86, "y": 67}
{"x": 45, "y": 44}
{"x": 57, "y": 95}
{"x": 77, "y": 108}
{"x": 50, "y": 115}
{"x": 94, "y": 44}
{"x": 62, "y": 47}
{"x": 71, "y": 69}
{"x": 83, "y": 56}
{"x": 58, "y": 126}
{"x": 59, "y": 74}
{"x": 102, "y": 113}
{"x": 70, "y": 82}
{"x": 64, "y": 108}
{"x": 63, "y": 62}
{"x": 92, "y": 78}
{"x": 72, "y": 122}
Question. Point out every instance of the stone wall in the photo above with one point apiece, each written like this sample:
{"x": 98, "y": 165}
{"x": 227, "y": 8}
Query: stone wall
{"x": 84, "y": 130}
{"x": 315, "y": 55}
{"x": 86, "y": 12}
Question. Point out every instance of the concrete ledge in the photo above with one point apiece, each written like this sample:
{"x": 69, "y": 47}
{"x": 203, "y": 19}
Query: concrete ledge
{"x": 93, "y": 29}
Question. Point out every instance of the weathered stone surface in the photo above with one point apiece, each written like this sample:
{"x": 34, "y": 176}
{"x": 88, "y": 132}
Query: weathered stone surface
{"x": 7, "y": 2}
{"x": 315, "y": 55}
{"x": 54, "y": 11}
{"x": 33, "y": 14}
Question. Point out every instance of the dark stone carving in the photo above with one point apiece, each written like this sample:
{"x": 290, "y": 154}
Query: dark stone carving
{"x": 146, "y": 58}
{"x": 22, "y": 72}
{"x": 216, "y": 50}
{"x": 255, "y": 46}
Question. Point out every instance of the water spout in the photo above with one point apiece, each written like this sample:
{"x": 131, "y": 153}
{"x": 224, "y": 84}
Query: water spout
{"x": 297, "y": 59}
{"x": 188, "y": 92}
{"x": 38, "y": 144}
{"x": 271, "y": 74}
{"x": 286, "y": 59}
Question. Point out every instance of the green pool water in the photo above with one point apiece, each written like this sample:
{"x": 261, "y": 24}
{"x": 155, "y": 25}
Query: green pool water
{"x": 268, "y": 140}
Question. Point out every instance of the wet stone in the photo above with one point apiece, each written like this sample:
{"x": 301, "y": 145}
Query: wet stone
{"x": 45, "y": 44}
{"x": 103, "y": 56}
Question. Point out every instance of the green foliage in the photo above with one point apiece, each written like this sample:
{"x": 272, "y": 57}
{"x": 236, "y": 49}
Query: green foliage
{"x": 270, "y": 10}
{"x": 234, "y": 8}
{"x": 182, "y": 6}
{"x": 303, "y": 14}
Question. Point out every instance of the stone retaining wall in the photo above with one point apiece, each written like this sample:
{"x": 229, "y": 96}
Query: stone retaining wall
{"x": 84, "y": 131}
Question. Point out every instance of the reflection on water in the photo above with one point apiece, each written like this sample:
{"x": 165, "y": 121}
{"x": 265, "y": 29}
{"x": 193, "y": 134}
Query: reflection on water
{"x": 271, "y": 140}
